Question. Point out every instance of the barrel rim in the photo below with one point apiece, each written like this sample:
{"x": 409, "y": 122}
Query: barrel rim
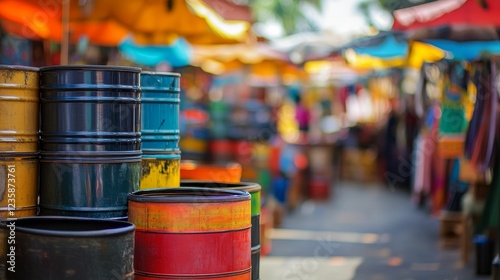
{"x": 91, "y": 68}
{"x": 224, "y": 195}
{"x": 121, "y": 227}
{"x": 250, "y": 187}
{"x": 169, "y": 74}
{"x": 19, "y": 67}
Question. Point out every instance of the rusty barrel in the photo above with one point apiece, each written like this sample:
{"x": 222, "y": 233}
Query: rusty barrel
{"x": 160, "y": 103}
{"x": 69, "y": 248}
{"x": 19, "y": 110}
{"x": 191, "y": 233}
{"x": 90, "y": 140}
{"x": 255, "y": 191}
{"x": 228, "y": 172}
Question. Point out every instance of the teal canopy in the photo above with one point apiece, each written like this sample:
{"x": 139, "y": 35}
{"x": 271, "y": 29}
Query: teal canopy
{"x": 177, "y": 54}
{"x": 466, "y": 50}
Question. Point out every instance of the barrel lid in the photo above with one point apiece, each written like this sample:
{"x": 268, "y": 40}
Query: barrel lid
{"x": 189, "y": 195}
{"x": 172, "y": 74}
{"x": 242, "y": 186}
{"x": 69, "y": 226}
{"x": 91, "y": 68}
{"x": 19, "y": 67}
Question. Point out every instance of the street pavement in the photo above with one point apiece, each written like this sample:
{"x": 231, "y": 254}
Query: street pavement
{"x": 363, "y": 232}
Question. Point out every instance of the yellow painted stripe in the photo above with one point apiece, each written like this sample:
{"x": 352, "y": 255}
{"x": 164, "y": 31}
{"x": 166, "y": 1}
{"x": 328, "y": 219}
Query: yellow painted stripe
{"x": 160, "y": 173}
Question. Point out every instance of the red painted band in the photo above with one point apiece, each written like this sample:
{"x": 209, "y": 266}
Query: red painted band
{"x": 176, "y": 254}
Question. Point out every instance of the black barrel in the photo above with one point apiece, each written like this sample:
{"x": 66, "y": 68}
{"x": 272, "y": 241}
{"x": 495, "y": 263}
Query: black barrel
{"x": 255, "y": 191}
{"x": 90, "y": 140}
{"x": 70, "y": 248}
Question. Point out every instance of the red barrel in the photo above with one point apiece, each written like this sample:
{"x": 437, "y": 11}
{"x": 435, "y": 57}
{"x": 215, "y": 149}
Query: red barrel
{"x": 191, "y": 233}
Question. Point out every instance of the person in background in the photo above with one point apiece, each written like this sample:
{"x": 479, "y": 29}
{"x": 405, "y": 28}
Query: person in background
{"x": 302, "y": 116}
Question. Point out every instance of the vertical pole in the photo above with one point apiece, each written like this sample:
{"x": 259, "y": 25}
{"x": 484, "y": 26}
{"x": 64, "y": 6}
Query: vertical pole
{"x": 65, "y": 32}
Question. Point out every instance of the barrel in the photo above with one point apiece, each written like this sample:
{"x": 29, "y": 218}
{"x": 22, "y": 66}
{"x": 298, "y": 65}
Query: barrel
{"x": 227, "y": 172}
{"x": 255, "y": 191}
{"x": 160, "y": 112}
{"x": 191, "y": 233}
{"x": 162, "y": 170}
{"x": 70, "y": 248}
{"x": 160, "y": 104}
{"x": 195, "y": 133}
{"x": 222, "y": 150}
{"x": 90, "y": 140}
{"x": 18, "y": 185}
{"x": 19, "y": 105}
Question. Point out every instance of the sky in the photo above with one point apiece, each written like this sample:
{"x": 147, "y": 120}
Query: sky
{"x": 339, "y": 17}
{"x": 343, "y": 18}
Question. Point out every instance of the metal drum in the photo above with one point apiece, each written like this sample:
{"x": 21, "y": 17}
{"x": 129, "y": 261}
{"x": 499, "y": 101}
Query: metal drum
{"x": 160, "y": 171}
{"x": 222, "y": 150}
{"x": 160, "y": 104}
{"x": 19, "y": 106}
{"x": 160, "y": 112}
{"x": 255, "y": 192}
{"x": 191, "y": 233}
{"x": 19, "y": 109}
{"x": 18, "y": 185}
{"x": 70, "y": 248}
{"x": 229, "y": 172}
{"x": 90, "y": 140}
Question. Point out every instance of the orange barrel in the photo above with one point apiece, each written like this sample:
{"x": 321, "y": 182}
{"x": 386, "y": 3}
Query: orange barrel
{"x": 191, "y": 233}
{"x": 255, "y": 191}
{"x": 19, "y": 110}
{"x": 229, "y": 172}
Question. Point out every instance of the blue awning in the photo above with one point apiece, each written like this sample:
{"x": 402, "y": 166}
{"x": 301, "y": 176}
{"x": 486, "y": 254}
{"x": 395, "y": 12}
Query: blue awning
{"x": 466, "y": 50}
{"x": 388, "y": 48}
{"x": 177, "y": 55}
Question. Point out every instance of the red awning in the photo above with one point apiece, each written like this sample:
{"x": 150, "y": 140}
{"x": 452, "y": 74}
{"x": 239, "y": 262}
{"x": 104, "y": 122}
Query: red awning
{"x": 448, "y": 12}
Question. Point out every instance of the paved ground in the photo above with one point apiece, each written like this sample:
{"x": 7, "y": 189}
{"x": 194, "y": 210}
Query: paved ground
{"x": 364, "y": 232}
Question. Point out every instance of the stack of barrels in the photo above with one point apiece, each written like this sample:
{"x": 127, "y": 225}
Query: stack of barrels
{"x": 19, "y": 105}
{"x": 160, "y": 130}
{"x": 105, "y": 150}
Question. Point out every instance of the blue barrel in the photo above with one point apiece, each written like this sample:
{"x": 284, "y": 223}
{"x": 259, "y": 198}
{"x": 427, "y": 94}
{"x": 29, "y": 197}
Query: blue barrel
{"x": 160, "y": 112}
{"x": 160, "y": 107}
{"x": 90, "y": 140}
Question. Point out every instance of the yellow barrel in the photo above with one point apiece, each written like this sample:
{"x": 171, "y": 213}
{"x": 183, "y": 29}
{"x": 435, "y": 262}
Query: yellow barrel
{"x": 19, "y": 122}
{"x": 18, "y": 186}
{"x": 19, "y": 109}
{"x": 160, "y": 171}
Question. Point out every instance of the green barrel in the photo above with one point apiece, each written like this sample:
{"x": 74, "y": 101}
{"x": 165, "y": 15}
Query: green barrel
{"x": 255, "y": 191}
